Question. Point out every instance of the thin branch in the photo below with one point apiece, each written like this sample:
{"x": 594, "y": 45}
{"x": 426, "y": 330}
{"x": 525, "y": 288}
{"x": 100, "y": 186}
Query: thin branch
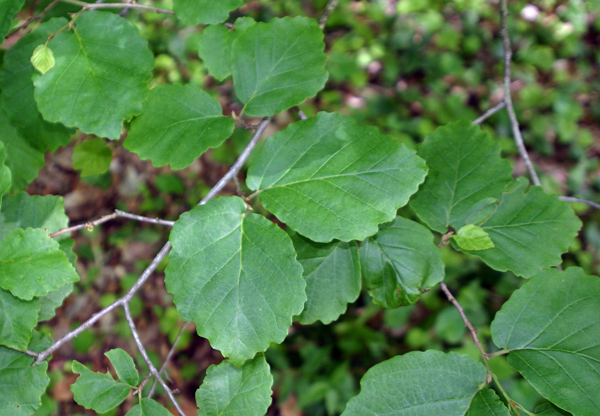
{"x": 583, "y": 201}
{"x": 507, "y": 95}
{"x": 327, "y": 12}
{"x": 167, "y": 358}
{"x": 151, "y": 367}
{"x": 302, "y": 115}
{"x": 34, "y": 18}
{"x": 139, "y": 218}
{"x": 94, "y": 6}
{"x": 489, "y": 113}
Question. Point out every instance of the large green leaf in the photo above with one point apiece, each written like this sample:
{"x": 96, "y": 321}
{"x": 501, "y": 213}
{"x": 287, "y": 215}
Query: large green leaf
{"x": 487, "y": 403}
{"x": 228, "y": 390}
{"x": 8, "y": 9}
{"x": 529, "y": 230}
{"x": 148, "y": 407}
{"x": 329, "y": 178}
{"x": 235, "y": 276}
{"x": 419, "y": 384}
{"x": 208, "y": 12}
{"x": 279, "y": 64}
{"x": 214, "y": 46}
{"x": 332, "y": 273}
{"x": 32, "y": 264}
{"x": 92, "y": 157}
{"x": 178, "y": 124}
{"x": 124, "y": 366}
{"x": 17, "y": 319}
{"x": 464, "y": 167}
{"x": 548, "y": 409}
{"x": 400, "y": 262}
{"x": 17, "y": 91}
{"x": 53, "y": 300}
{"x": 100, "y": 76}
{"x": 551, "y": 327}
{"x": 5, "y": 176}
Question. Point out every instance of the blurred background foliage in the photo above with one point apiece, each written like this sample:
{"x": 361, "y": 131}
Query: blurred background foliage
{"x": 406, "y": 66}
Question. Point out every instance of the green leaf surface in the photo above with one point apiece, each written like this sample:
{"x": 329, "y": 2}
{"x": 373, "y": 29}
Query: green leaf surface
{"x": 42, "y": 58}
{"x": 32, "y": 264}
{"x": 472, "y": 237}
{"x": 464, "y": 167}
{"x": 178, "y": 124}
{"x": 329, "y": 178}
{"x": 551, "y": 326}
{"x": 235, "y": 276}
{"x": 22, "y": 383}
{"x": 97, "y": 391}
{"x": 17, "y": 319}
{"x": 400, "y": 262}
{"x": 100, "y": 76}
{"x": 124, "y": 366}
{"x": 8, "y": 9}
{"x": 487, "y": 403}
{"x": 53, "y": 300}
{"x": 228, "y": 390}
{"x": 208, "y": 12}
{"x": 279, "y": 64}
{"x": 92, "y": 157}
{"x": 419, "y": 384}
{"x": 5, "y": 176}
{"x": 548, "y": 409}
{"x": 17, "y": 91}
{"x": 332, "y": 273}
{"x": 148, "y": 407}
{"x": 530, "y": 231}
{"x": 214, "y": 46}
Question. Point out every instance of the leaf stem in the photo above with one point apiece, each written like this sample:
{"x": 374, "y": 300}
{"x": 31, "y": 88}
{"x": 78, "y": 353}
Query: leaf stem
{"x": 94, "y": 6}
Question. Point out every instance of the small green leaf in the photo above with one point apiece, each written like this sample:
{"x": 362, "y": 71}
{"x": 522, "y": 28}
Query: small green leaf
{"x": 42, "y": 58}
{"x": 177, "y": 125}
{"x": 400, "y": 262}
{"x": 17, "y": 319}
{"x": 551, "y": 326}
{"x": 148, "y": 407}
{"x": 92, "y": 157}
{"x": 487, "y": 403}
{"x": 419, "y": 384}
{"x": 279, "y": 64}
{"x": 97, "y": 391}
{"x": 548, "y": 409}
{"x": 5, "y": 176}
{"x": 231, "y": 390}
{"x": 329, "y": 178}
{"x": 124, "y": 366}
{"x": 208, "y": 12}
{"x": 8, "y": 9}
{"x": 32, "y": 264}
{"x": 472, "y": 237}
{"x": 332, "y": 273}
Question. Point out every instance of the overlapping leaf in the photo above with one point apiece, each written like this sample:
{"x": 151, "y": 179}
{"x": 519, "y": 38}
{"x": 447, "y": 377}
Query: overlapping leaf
{"x": 487, "y": 403}
{"x": 419, "y": 384}
{"x": 279, "y": 64}
{"x": 551, "y": 327}
{"x": 231, "y": 390}
{"x": 18, "y": 317}
{"x": 178, "y": 124}
{"x": 329, "y": 178}
{"x": 5, "y": 176}
{"x": 530, "y": 231}
{"x": 92, "y": 157}
{"x": 8, "y": 9}
{"x": 400, "y": 262}
{"x": 332, "y": 273}
{"x": 148, "y": 407}
{"x": 208, "y": 12}
{"x": 235, "y": 276}
{"x": 465, "y": 167}
{"x": 100, "y": 77}
{"x": 124, "y": 366}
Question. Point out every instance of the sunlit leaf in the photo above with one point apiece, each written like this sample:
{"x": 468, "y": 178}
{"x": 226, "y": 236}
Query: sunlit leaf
{"x": 92, "y": 157}
{"x": 42, "y": 58}
{"x": 472, "y": 237}
{"x": 124, "y": 366}
{"x": 194, "y": 12}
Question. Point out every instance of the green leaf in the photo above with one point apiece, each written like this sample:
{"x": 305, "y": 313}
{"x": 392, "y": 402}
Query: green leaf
{"x": 208, "y": 12}
{"x": 148, "y": 407}
{"x": 42, "y": 58}
{"x": 8, "y": 9}
{"x": 5, "y": 176}
{"x": 214, "y": 46}
{"x": 53, "y": 300}
{"x": 329, "y": 178}
{"x": 100, "y": 76}
{"x": 332, "y": 273}
{"x": 530, "y": 231}
{"x": 124, "y": 366}
{"x": 97, "y": 391}
{"x": 400, "y": 262}
{"x": 92, "y": 157}
{"x": 548, "y": 409}
{"x": 487, "y": 403}
{"x": 22, "y": 383}
{"x": 17, "y": 91}
{"x": 178, "y": 124}
{"x": 235, "y": 276}
{"x": 230, "y": 390}
{"x": 17, "y": 319}
{"x": 32, "y": 264}
{"x": 551, "y": 326}
{"x": 279, "y": 64}
{"x": 419, "y": 384}
{"x": 472, "y": 237}
{"x": 464, "y": 167}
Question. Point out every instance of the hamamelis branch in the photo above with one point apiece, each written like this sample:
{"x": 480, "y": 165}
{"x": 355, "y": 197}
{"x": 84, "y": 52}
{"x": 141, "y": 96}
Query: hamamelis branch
{"x": 327, "y": 13}
{"x": 489, "y": 113}
{"x": 583, "y": 201}
{"x": 34, "y": 18}
{"x": 94, "y": 6}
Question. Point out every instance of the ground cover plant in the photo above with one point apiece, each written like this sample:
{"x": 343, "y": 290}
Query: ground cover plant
{"x": 310, "y": 256}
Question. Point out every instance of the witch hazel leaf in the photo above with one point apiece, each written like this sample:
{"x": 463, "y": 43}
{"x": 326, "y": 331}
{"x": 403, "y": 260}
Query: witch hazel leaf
{"x": 487, "y": 403}
{"x": 472, "y": 237}
{"x": 42, "y": 58}
{"x": 208, "y": 12}
{"x": 92, "y": 157}
{"x": 18, "y": 317}
{"x": 5, "y": 175}
{"x": 97, "y": 391}
{"x": 124, "y": 366}
{"x": 329, "y": 178}
{"x": 148, "y": 407}
{"x": 8, "y": 10}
